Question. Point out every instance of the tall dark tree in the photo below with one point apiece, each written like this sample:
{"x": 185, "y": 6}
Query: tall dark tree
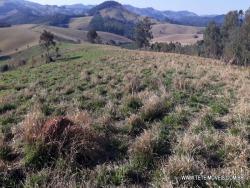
{"x": 92, "y": 35}
{"x": 47, "y": 42}
{"x": 143, "y": 33}
{"x": 212, "y": 41}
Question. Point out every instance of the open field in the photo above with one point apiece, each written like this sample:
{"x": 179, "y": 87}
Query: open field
{"x": 176, "y": 33}
{"x": 81, "y": 23}
{"x": 184, "y": 39}
{"x": 162, "y": 32}
{"x": 17, "y": 38}
{"x": 20, "y": 37}
{"x": 126, "y": 118}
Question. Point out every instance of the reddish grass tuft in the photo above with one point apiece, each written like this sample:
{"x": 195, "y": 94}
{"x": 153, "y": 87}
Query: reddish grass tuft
{"x": 53, "y": 128}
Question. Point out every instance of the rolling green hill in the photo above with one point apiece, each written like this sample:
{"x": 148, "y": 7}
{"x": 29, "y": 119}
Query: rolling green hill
{"x": 112, "y": 17}
{"x": 103, "y": 116}
{"x": 80, "y": 23}
{"x": 162, "y": 32}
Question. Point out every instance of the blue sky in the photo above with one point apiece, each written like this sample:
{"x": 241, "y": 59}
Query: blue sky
{"x": 198, "y": 6}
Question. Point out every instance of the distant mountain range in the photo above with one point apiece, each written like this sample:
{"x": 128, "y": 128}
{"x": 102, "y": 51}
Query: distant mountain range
{"x": 21, "y": 11}
{"x": 178, "y": 17}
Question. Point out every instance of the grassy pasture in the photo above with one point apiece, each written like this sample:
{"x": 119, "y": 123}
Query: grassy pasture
{"x": 161, "y": 116}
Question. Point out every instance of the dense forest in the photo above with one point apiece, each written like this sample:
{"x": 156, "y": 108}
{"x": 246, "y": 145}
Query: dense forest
{"x": 229, "y": 42}
{"x": 119, "y": 27}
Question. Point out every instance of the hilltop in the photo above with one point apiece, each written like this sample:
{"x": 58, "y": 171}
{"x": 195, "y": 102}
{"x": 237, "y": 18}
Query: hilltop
{"x": 104, "y": 5}
{"x": 177, "y": 17}
{"x": 26, "y": 12}
{"x": 105, "y": 116}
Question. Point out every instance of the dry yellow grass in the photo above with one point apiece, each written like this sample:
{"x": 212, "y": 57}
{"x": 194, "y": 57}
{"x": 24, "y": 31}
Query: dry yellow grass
{"x": 176, "y": 33}
{"x": 21, "y": 37}
{"x": 81, "y": 23}
{"x": 17, "y": 38}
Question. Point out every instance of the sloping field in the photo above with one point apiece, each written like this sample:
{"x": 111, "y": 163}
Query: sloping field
{"x": 184, "y": 39}
{"x": 104, "y": 117}
{"x": 120, "y": 14}
{"x": 81, "y": 23}
{"x": 77, "y": 35}
{"x": 18, "y": 38}
{"x": 176, "y": 33}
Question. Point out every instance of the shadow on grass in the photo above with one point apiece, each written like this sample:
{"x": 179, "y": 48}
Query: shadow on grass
{"x": 4, "y": 58}
{"x": 70, "y": 58}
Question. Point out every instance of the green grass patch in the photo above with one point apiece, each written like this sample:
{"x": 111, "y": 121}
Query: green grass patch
{"x": 112, "y": 177}
{"x": 219, "y": 108}
{"x": 168, "y": 78}
{"x": 37, "y": 155}
{"x": 5, "y": 152}
{"x": 132, "y": 105}
{"x": 177, "y": 120}
{"x": 6, "y": 107}
{"x": 92, "y": 104}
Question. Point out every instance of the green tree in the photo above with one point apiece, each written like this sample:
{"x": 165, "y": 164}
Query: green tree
{"x": 236, "y": 38}
{"x": 48, "y": 43}
{"x": 97, "y": 23}
{"x": 229, "y": 34}
{"x": 231, "y": 21}
{"x": 143, "y": 33}
{"x": 212, "y": 40}
{"x": 233, "y": 47}
{"x": 245, "y": 42}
